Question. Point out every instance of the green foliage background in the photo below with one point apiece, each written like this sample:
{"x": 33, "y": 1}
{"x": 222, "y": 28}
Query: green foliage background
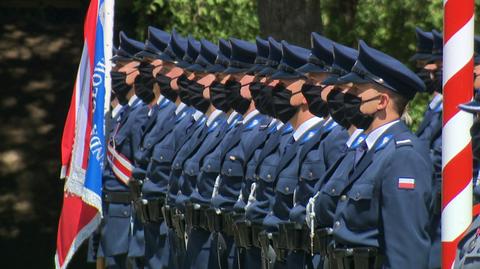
{"x": 385, "y": 24}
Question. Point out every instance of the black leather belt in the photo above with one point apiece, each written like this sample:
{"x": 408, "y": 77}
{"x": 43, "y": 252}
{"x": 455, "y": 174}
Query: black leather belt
{"x": 355, "y": 258}
{"x": 196, "y": 217}
{"x": 149, "y": 211}
{"x": 219, "y": 221}
{"x": 167, "y": 213}
{"x": 117, "y": 197}
{"x": 296, "y": 236}
{"x": 178, "y": 223}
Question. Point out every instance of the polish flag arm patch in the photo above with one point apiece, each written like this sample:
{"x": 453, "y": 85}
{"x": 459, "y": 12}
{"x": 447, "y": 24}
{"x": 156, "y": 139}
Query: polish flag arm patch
{"x": 406, "y": 183}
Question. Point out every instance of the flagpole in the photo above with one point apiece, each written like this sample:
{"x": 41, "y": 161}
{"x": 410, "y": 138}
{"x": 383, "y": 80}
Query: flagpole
{"x": 108, "y": 39}
{"x": 456, "y": 142}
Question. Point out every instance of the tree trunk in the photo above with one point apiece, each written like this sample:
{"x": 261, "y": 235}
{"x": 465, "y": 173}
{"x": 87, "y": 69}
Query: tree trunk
{"x": 290, "y": 20}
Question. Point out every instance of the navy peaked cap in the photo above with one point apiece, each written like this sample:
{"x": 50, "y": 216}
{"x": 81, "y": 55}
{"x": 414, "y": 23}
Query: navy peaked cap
{"x": 292, "y": 58}
{"x": 127, "y": 49}
{"x": 242, "y": 57}
{"x": 374, "y": 66}
{"x": 321, "y": 57}
{"x": 206, "y": 57}
{"x": 437, "y": 48}
{"x": 274, "y": 58}
{"x": 343, "y": 60}
{"x": 424, "y": 45}
{"x": 157, "y": 42}
{"x": 176, "y": 48}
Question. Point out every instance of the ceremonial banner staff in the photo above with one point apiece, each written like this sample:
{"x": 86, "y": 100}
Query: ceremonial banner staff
{"x": 83, "y": 141}
{"x": 456, "y": 141}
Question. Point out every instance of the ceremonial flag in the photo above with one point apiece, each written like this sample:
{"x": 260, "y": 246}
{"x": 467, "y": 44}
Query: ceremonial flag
{"x": 83, "y": 141}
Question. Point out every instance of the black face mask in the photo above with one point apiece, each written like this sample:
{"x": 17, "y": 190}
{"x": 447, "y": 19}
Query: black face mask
{"x": 164, "y": 83}
{"x": 220, "y": 97}
{"x": 266, "y": 100}
{"x": 239, "y": 103}
{"x": 256, "y": 89}
{"x": 120, "y": 86}
{"x": 195, "y": 91}
{"x": 316, "y": 105}
{"x": 144, "y": 83}
{"x": 281, "y": 104}
{"x": 475, "y": 133}
{"x": 353, "y": 113}
{"x": 183, "y": 92}
{"x": 437, "y": 81}
{"x": 424, "y": 74}
{"x": 336, "y": 108}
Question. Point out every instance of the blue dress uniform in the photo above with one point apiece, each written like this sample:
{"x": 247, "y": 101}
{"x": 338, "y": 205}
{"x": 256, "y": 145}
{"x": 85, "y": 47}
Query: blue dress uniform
{"x": 325, "y": 200}
{"x": 237, "y": 152}
{"x": 157, "y": 240}
{"x": 430, "y": 133}
{"x": 116, "y": 239}
{"x": 468, "y": 249}
{"x": 198, "y": 242}
{"x": 331, "y": 144}
{"x": 382, "y": 217}
{"x": 287, "y": 171}
{"x": 111, "y": 120}
{"x": 160, "y": 123}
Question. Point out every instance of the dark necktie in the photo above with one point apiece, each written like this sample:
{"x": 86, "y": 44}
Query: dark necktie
{"x": 360, "y": 152}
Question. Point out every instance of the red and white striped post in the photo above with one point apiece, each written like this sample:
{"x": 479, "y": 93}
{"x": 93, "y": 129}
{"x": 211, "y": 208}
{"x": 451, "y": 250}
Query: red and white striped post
{"x": 458, "y": 25}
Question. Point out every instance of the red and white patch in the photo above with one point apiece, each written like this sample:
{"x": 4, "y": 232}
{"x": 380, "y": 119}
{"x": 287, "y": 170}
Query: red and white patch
{"x": 406, "y": 183}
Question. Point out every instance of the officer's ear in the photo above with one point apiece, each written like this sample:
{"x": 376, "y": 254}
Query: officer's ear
{"x": 384, "y": 101}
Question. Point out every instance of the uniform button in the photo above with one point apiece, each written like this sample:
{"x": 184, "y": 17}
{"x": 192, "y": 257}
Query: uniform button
{"x": 311, "y": 174}
{"x": 343, "y": 197}
{"x": 125, "y": 213}
{"x": 161, "y": 157}
{"x": 337, "y": 224}
{"x": 191, "y": 171}
{"x": 142, "y": 149}
{"x": 287, "y": 188}
{"x": 149, "y": 145}
{"x": 357, "y": 195}
{"x": 229, "y": 170}
{"x": 177, "y": 165}
{"x": 333, "y": 190}
{"x": 269, "y": 176}
{"x": 209, "y": 166}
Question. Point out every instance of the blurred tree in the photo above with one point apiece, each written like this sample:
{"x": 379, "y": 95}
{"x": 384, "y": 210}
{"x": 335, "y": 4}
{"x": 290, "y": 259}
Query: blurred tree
{"x": 384, "y": 24}
{"x": 209, "y": 19}
{"x": 291, "y": 20}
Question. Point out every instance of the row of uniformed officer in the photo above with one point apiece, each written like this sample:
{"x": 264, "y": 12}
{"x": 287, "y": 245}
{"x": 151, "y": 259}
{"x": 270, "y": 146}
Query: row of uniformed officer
{"x": 217, "y": 151}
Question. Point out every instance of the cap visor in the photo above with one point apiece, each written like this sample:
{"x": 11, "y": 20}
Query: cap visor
{"x": 352, "y": 78}
{"x": 435, "y": 58}
{"x": 146, "y": 54}
{"x": 119, "y": 58}
{"x": 255, "y": 69}
{"x": 280, "y": 74}
{"x": 420, "y": 57}
{"x": 182, "y": 64}
{"x": 195, "y": 68}
{"x": 165, "y": 57}
{"x": 266, "y": 72}
{"x": 235, "y": 70}
{"x": 310, "y": 68}
{"x": 476, "y": 60}
{"x": 471, "y": 107}
{"x": 216, "y": 68}
{"x": 331, "y": 80}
